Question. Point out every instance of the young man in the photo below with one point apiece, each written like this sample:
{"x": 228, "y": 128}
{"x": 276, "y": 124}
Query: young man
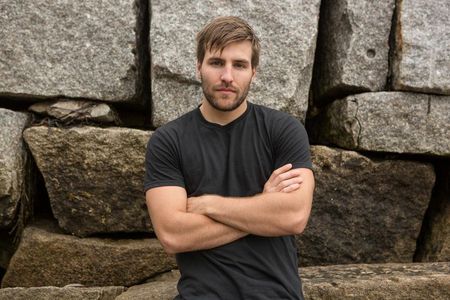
{"x": 229, "y": 183}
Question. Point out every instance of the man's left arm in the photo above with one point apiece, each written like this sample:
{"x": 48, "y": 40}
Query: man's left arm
{"x": 267, "y": 214}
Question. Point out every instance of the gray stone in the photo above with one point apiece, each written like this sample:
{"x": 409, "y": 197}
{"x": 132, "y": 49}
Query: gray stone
{"x": 76, "y": 49}
{"x": 377, "y": 281}
{"x": 435, "y": 242}
{"x": 422, "y": 47}
{"x": 388, "y": 122}
{"x": 13, "y": 164}
{"x": 66, "y": 293}
{"x": 69, "y": 111}
{"x": 94, "y": 177}
{"x": 364, "y": 210}
{"x": 287, "y": 30}
{"x": 46, "y": 257}
{"x": 353, "y": 47}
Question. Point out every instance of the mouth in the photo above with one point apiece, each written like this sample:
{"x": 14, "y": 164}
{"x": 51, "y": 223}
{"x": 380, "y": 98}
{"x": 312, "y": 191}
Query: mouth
{"x": 226, "y": 90}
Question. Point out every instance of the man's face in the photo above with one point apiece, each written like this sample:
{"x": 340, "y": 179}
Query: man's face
{"x": 226, "y": 76}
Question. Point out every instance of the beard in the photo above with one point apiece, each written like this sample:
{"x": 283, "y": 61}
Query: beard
{"x": 239, "y": 97}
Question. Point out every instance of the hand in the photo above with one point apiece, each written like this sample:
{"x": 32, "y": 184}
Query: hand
{"x": 197, "y": 205}
{"x": 284, "y": 179}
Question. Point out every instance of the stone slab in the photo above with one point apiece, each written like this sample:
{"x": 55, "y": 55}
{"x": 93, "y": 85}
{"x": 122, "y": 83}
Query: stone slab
{"x": 373, "y": 282}
{"x": 94, "y": 177}
{"x": 422, "y": 47}
{"x": 13, "y": 164}
{"x": 365, "y": 210}
{"x": 353, "y": 47}
{"x": 78, "y": 49}
{"x": 287, "y": 30}
{"x": 77, "y": 111}
{"x": 47, "y": 257}
{"x": 388, "y": 122}
{"x": 66, "y": 293}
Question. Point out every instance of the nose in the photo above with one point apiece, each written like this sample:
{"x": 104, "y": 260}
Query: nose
{"x": 227, "y": 76}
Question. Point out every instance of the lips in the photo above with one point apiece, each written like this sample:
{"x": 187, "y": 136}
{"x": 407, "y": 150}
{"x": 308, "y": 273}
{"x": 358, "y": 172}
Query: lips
{"x": 226, "y": 90}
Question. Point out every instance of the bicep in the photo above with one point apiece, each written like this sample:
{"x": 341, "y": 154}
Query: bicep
{"x": 306, "y": 190}
{"x": 163, "y": 203}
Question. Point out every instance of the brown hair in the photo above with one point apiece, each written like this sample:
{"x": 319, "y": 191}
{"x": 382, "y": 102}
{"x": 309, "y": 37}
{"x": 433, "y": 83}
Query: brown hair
{"x": 221, "y": 32}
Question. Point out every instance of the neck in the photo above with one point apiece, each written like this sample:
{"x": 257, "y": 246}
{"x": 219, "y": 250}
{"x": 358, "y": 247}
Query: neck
{"x": 213, "y": 115}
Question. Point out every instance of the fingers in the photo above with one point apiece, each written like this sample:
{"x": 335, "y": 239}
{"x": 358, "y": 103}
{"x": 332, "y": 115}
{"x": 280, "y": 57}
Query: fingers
{"x": 285, "y": 176}
{"x": 291, "y": 188}
{"x": 284, "y": 179}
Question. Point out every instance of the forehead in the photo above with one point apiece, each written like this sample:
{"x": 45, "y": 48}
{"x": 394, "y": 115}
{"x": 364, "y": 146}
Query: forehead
{"x": 237, "y": 50}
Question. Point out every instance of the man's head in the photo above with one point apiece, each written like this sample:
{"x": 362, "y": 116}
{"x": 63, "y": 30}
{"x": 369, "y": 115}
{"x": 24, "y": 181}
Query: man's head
{"x": 227, "y": 57}
{"x": 221, "y": 32}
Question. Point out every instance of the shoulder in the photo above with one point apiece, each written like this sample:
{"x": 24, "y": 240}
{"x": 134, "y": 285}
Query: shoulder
{"x": 175, "y": 128}
{"x": 275, "y": 119}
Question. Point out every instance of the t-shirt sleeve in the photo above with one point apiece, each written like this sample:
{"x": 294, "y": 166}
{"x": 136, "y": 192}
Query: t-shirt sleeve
{"x": 162, "y": 164}
{"x": 291, "y": 144}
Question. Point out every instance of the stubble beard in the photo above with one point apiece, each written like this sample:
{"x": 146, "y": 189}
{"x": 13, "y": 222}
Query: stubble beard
{"x": 214, "y": 102}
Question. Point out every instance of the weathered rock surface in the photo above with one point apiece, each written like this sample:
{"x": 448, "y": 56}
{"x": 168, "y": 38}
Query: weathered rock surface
{"x": 376, "y": 281}
{"x": 66, "y": 293}
{"x": 364, "y": 210}
{"x": 94, "y": 177}
{"x": 353, "y": 47}
{"x": 71, "y": 48}
{"x": 435, "y": 241}
{"x": 13, "y": 159}
{"x": 69, "y": 111}
{"x": 388, "y": 122}
{"x": 46, "y": 257}
{"x": 287, "y": 30}
{"x": 422, "y": 47}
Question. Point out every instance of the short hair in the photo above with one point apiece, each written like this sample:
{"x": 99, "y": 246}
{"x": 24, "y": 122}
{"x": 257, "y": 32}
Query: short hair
{"x": 222, "y": 31}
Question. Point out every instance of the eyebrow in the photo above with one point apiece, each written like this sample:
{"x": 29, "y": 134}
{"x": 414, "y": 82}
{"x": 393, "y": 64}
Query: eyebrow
{"x": 239, "y": 60}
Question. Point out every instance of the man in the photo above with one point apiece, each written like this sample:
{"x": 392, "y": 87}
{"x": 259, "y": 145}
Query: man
{"x": 229, "y": 183}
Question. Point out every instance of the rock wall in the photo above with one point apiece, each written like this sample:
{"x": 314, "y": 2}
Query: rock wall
{"x": 85, "y": 84}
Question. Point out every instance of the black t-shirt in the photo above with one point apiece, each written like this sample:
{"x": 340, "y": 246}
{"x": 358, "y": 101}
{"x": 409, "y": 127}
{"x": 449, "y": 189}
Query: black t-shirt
{"x": 231, "y": 160}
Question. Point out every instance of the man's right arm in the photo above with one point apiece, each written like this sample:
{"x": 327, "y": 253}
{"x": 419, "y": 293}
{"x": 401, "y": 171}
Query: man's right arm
{"x": 180, "y": 231}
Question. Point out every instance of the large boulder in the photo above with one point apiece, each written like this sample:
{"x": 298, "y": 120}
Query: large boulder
{"x": 353, "y": 47}
{"x": 94, "y": 177}
{"x": 435, "y": 240}
{"x": 47, "y": 257}
{"x": 287, "y": 30}
{"x": 13, "y": 164}
{"x": 342, "y": 282}
{"x": 365, "y": 210}
{"x": 80, "y": 49}
{"x": 387, "y": 122}
{"x": 66, "y": 293}
{"x": 422, "y": 47}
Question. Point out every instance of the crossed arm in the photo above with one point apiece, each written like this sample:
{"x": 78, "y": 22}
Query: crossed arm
{"x": 187, "y": 224}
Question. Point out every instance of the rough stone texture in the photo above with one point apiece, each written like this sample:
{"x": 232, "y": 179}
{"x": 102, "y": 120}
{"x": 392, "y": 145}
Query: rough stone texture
{"x": 364, "y": 210}
{"x": 84, "y": 49}
{"x": 162, "y": 289}
{"x": 388, "y": 122}
{"x": 422, "y": 47}
{"x": 66, "y": 293}
{"x": 13, "y": 159}
{"x": 287, "y": 30}
{"x": 377, "y": 281}
{"x": 353, "y": 47}
{"x": 94, "y": 177}
{"x": 435, "y": 240}
{"x": 46, "y": 257}
{"x": 69, "y": 111}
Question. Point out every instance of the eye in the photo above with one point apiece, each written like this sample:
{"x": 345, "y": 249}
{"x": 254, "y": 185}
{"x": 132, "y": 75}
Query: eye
{"x": 217, "y": 63}
{"x": 240, "y": 65}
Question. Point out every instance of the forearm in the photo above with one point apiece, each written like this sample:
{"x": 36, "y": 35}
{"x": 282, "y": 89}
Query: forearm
{"x": 268, "y": 214}
{"x": 190, "y": 232}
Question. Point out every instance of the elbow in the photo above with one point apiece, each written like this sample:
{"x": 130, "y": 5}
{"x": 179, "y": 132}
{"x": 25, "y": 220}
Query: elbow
{"x": 298, "y": 225}
{"x": 169, "y": 243}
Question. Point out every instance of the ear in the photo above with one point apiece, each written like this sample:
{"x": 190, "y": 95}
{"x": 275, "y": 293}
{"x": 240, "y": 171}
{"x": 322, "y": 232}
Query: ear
{"x": 197, "y": 70}
{"x": 253, "y": 73}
